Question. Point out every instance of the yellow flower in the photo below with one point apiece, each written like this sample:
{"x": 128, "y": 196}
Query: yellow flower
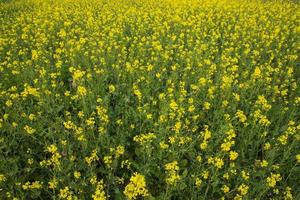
{"x": 32, "y": 185}
{"x": 241, "y": 116}
{"x": 144, "y": 138}
{"x": 273, "y": 179}
{"x": 90, "y": 121}
{"x": 283, "y": 139}
{"x": 32, "y": 117}
{"x": 267, "y": 146}
{"x": 69, "y": 125}
{"x": 205, "y": 174}
{"x": 80, "y": 114}
{"x": 264, "y": 163}
{"x": 77, "y": 174}
{"x": 173, "y": 105}
{"x": 233, "y": 155}
{"x": 119, "y": 151}
{"x": 199, "y": 158}
{"x": 99, "y": 193}
{"x": 66, "y": 193}
{"x": 53, "y": 183}
{"x": 203, "y": 145}
{"x": 92, "y": 158}
{"x": 93, "y": 180}
{"x": 30, "y": 91}
{"x": 136, "y": 187}
{"x": 62, "y": 33}
{"x": 54, "y": 160}
{"x": 34, "y": 55}
{"x": 29, "y": 130}
{"x": 108, "y": 160}
{"x": 81, "y": 91}
{"x": 245, "y": 175}
{"x": 111, "y": 88}
{"x": 219, "y": 163}
{"x": 163, "y": 145}
{"x": 226, "y": 146}
{"x": 172, "y": 169}
{"x": 8, "y": 103}
{"x": 262, "y": 101}
{"x": 149, "y": 116}
{"x": 52, "y": 148}
{"x": 225, "y": 103}
{"x": 226, "y": 176}
{"x": 198, "y": 182}
{"x": 243, "y": 189}
{"x": 14, "y": 124}
{"x": 288, "y": 194}
{"x": 225, "y": 188}
{"x": 206, "y": 105}
{"x": 137, "y": 92}
{"x": 177, "y": 127}
{"x": 76, "y": 74}
{"x": 257, "y": 73}
{"x": 2, "y": 178}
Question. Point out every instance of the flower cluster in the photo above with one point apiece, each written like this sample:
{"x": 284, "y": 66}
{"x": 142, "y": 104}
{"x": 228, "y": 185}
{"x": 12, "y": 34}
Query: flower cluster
{"x": 136, "y": 187}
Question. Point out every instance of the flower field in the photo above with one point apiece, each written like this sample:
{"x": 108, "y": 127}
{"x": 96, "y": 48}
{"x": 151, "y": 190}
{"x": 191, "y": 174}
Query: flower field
{"x": 149, "y": 99}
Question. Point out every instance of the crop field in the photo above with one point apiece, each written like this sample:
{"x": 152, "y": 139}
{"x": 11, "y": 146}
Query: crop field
{"x": 149, "y": 99}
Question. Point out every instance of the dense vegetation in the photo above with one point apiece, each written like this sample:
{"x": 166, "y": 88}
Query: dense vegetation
{"x": 149, "y": 99}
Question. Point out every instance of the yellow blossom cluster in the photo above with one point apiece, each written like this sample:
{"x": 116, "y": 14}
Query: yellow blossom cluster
{"x": 144, "y": 138}
{"x": 136, "y": 187}
{"x": 172, "y": 170}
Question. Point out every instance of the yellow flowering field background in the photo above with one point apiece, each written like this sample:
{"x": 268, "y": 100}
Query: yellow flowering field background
{"x": 149, "y": 99}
